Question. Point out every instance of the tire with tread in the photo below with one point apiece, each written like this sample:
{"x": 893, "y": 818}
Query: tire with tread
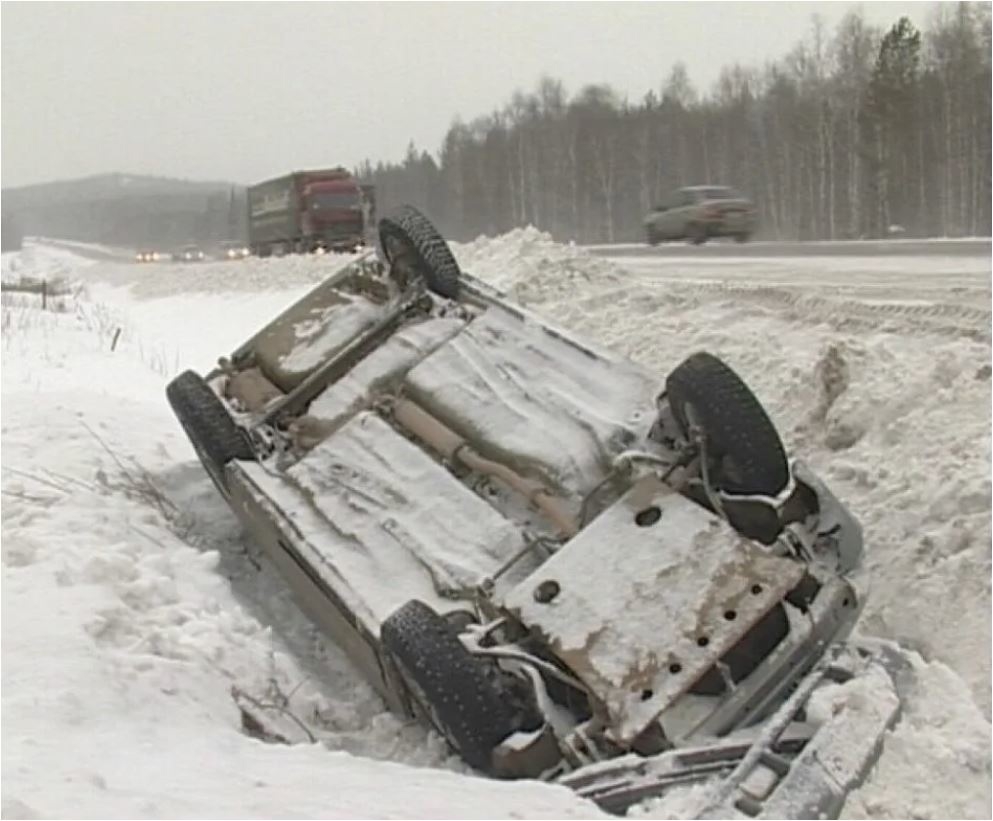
{"x": 432, "y": 257}
{"x": 740, "y": 434}
{"x": 738, "y": 430}
{"x": 214, "y": 435}
{"x": 461, "y": 694}
{"x": 746, "y": 455}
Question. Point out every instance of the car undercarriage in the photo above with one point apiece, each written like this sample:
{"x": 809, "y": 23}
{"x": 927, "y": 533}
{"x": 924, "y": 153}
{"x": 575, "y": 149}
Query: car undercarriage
{"x": 571, "y": 571}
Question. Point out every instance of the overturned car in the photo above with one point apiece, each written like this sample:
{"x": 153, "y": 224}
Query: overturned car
{"x": 572, "y": 572}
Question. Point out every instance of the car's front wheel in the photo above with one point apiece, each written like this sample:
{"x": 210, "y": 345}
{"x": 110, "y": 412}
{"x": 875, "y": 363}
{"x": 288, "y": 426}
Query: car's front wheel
{"x": 215, "y": 436}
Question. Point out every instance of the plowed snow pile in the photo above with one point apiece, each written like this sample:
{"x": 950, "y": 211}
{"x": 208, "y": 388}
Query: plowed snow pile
{"x": 531, "y": 267}
{"x": 135, "y": 618}
{"x": 41, "y": 261}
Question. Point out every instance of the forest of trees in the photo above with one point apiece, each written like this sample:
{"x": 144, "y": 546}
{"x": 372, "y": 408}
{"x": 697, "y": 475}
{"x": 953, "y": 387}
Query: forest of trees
{"x": 854, "y": 131}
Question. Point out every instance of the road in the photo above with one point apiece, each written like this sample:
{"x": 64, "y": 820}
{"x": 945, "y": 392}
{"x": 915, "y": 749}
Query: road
{"x": 938, "y": 270}
{"x": 976, "y": 246}
{"x": 935, "y": 285}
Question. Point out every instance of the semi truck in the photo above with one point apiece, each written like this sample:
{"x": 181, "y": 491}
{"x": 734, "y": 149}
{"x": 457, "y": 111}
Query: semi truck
{"x": 307, "y": 211}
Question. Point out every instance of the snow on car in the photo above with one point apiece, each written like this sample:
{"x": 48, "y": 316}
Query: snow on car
{"x": 572, "y": 572}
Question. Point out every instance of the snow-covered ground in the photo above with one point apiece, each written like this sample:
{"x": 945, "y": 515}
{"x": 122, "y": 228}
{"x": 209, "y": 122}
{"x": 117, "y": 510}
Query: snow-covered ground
{"x": 132, "y": 609}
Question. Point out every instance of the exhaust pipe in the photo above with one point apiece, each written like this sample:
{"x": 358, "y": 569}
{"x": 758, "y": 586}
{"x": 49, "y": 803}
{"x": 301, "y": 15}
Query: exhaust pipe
{"x": 453, "y": 447}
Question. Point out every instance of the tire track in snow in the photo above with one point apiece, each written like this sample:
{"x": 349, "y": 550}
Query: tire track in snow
{"x": 918, "y": 313}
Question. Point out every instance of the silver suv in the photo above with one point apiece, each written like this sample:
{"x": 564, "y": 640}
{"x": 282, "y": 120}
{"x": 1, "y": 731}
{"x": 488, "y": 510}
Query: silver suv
{"x": 700, "y": 212}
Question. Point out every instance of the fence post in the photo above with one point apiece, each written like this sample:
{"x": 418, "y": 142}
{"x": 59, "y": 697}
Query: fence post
{"x": 44, "y": 294}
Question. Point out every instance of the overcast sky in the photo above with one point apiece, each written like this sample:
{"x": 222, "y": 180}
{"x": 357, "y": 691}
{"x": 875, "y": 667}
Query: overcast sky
{"x": 242, "y": 91}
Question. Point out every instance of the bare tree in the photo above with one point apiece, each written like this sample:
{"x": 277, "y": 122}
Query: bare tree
{"x": 848, "y": 133}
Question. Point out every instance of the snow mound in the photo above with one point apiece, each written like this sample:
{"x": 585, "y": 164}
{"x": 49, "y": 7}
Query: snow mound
{"x": 532, "y": 268}
{"x": 251, "y": 275}
{"x": 38, "y": 261}
{"x": 936, "y": 761}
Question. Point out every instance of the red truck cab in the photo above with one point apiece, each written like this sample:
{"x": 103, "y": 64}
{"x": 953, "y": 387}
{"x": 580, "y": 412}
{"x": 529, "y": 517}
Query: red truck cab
{"x": 333, "y": 212}
{"x": 319, "y": 210}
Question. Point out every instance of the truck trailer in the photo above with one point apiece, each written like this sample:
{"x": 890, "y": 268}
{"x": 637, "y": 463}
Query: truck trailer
{"x": 307, "y": 211}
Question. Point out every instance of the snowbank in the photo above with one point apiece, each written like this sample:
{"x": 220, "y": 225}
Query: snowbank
{"x": 42, "y": 262}
{"x": 532, "y": 268}
{"x": 164, "y": 279}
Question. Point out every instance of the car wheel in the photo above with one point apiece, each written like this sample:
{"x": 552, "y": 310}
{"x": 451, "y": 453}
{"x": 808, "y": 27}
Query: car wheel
{"x": 652, "y": 237}
{"x": 215, "y": 436}
{"x": 408, "y": 237}
{"x": 461, "y": 694}
{"x": 743, "y": 237}
{"x": 696, "y": 233}
{"x": 745, "y": 454}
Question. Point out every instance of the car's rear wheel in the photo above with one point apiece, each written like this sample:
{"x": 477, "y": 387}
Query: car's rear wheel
{"x": 215, "y": 436}
{"x": 408, "y": 238}
{"x": 745, "y": 454}
{"x": 742, "y": 237}
{"x": 696, "y": 233}
{"x": 462, "y": 695}
{"x": 651, "y": 237}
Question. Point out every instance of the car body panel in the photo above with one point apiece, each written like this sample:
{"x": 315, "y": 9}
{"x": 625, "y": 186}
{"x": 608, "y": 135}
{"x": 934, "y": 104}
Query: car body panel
{"x": 504, "y": 378}
{"x": 382, "y": 369}
{"x": 388, "y": 523}
{"x": 637, "y": 650}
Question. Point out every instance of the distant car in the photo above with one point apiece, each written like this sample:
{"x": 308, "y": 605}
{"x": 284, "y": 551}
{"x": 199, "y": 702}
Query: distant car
{"x": 189, "y": 253}
{"x": 233, "y": 250}
{"x": 700, "y": 212}
{"x": 148, "y": 256}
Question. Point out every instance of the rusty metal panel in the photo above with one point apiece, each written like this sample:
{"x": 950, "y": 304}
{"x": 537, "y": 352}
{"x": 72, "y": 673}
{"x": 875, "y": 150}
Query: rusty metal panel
{"x": 646, "y": 598}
